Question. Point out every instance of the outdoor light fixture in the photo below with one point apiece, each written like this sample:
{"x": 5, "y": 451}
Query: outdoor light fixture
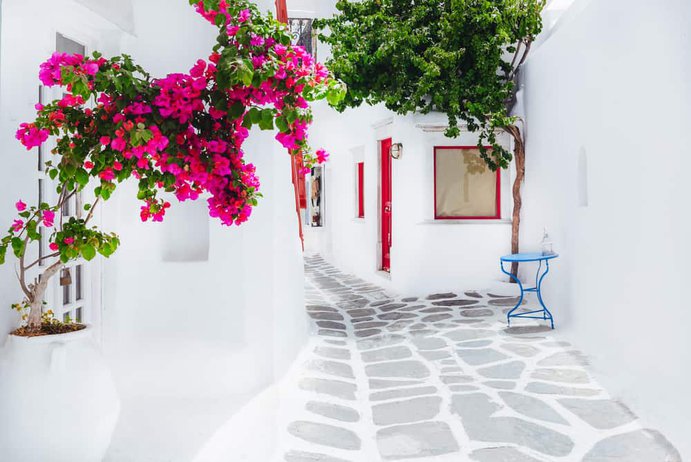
{"x": 396, "y": 150}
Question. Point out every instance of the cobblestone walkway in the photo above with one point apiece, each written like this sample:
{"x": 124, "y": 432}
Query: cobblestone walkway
{"x": 441, "y": 378}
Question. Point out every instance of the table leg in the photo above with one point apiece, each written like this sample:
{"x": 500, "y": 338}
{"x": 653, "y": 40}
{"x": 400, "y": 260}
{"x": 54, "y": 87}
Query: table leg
{"x": 520, "y": 300}
{"x": 545, "y": 312}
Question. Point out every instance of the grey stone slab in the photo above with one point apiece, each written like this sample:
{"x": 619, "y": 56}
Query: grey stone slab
{"x": 459, "y": 302}
{"x": 451, "y": 370}
{"x": 462, "y": 388}
{"x": 380, "y": 302}
{"x": 335, "y": 388}
{"x": 325, "y": 435}
{"x": 435, "y": 355}
{"x": 408, "y": 411}
{"x": 510, "y": 370}
{"x": 321, "y": 308}
{"x": 480, "y": 356}
{"x": 429, "y": 343}
{"x": 521, "y": 349}
{"x": 361, "y": 313}
{"x": 561, "y": 375}
{"x": 302, "y": 456}
{"x": 335, "y": 368}
{"x": 326, "y": 316}
{"x": 531, "y": 407}
{"x": 473, "y": 294}
{"x": 387, "y": 354}
{"x": 636, "y": 446}
{"x": 396, "y": 315}
{"x": 476, "y": 410}
{"x": 479, "y": 313}
{"x": 500, "y": 384}
{"x": 412, "y": 308}
{"x": 551, "y": 389}
{"x": 402, "y": 393}
{"x": 502, "y": 454}
{"x": 378, "y": 384}
{"x": 367, "y": 333}
{"x": 370, "y": 324}
{"x": 331, "y": 325}
{"x": 564, "y": 358}
{"x": 331, "y": 333}
{"x": 436, "y": 317}
{"x": 409, "y": 299}
{"x": 331, "y": 341}
{"x": 441, "y": 296}
{"x": 358, "y": 320}
{"x": 460, "y": 335}
{"x": 602, "y": 414}
{"x": 510, "y": 301}
{"x": 427, "y": 439}
{"x": 436, "y": 310}
{"x": 333, "y": 411}
{"x": 526, "y": 330}
{"x": 400, "y": 325}
{"x": 332, "y": 353}
{"x": 392, "y": 306}
{"x": 401, "y": 369}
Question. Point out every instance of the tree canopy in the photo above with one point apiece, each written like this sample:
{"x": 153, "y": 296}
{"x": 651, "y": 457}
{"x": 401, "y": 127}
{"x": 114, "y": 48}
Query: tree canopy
{"x": 459, "y": 57}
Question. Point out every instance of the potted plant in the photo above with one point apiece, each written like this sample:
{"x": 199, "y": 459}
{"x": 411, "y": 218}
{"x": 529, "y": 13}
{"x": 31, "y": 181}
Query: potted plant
{"x": 179, "y": 135}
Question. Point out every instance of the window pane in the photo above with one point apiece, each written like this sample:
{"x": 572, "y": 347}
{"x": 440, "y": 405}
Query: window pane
{"x": 78, "y": 283}
{"x": 78, "y": 314}
{"x": 65, "y": 45}
{"x": 66, "y": 299}
{"x": 464, "y": 186}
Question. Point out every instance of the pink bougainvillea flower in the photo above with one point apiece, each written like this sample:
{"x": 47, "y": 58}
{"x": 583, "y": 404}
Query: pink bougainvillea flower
{"x": 118, "y": 144}
{"x": 244, "y": 15}
{"x": 53, "y": 246}
{"x": 39, "y": 107}
{"x": 88, "y": 165}
{"x": 117, "y": 166}
{"x": 104, "y": 140}
{"x": 31, "y": 136}
{"x": 68, "y": 241}
{"x": 17, "y": 226}
{"x": 107, "y": 174}
{"x": 48, "y": 218}
{"x": 322, "y": 156}
{"x": 90, "y": 68}
{"x": 21, "y": 206}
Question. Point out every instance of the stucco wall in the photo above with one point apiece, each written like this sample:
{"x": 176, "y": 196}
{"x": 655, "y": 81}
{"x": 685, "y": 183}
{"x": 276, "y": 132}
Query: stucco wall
{"x": 608, "y": 110}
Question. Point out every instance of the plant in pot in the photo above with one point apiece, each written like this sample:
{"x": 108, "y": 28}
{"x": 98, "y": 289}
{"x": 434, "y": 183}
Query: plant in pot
{"x": 180, "y": 135}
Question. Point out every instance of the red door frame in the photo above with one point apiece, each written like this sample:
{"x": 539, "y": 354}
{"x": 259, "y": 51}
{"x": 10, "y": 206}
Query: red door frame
{"x": 361, "y": 190}
{"x": 386, "y": 206}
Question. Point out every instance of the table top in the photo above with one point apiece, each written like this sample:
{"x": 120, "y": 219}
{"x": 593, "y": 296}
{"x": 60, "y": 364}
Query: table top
{"x": 525, "y": 257}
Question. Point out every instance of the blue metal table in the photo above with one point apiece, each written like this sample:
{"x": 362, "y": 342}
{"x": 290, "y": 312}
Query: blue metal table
{"x": 525, "y": 258}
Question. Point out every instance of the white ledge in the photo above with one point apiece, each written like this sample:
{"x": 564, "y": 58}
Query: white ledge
{"x": 501, "y": 221}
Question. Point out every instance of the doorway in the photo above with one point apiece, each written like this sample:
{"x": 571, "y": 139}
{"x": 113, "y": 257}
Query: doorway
{"x": 385, "y": 206}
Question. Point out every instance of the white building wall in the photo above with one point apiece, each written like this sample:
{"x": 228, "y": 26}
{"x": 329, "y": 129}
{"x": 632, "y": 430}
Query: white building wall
{"x": 609, "y": 109}
{"x": 197, "y": 318}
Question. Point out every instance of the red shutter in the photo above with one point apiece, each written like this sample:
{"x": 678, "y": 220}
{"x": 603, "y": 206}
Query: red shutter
{"x": 361, "y": 190}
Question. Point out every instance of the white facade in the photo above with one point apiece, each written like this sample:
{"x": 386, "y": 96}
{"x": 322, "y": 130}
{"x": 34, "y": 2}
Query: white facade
{"x": 608, "y": 110}
{"x": 196, "y": 318}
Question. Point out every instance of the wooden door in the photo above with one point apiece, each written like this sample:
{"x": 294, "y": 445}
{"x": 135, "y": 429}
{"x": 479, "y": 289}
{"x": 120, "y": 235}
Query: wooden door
{"x": 385, "y": 208}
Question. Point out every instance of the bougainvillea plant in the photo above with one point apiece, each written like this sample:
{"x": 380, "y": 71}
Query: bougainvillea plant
{"x": 459, "y": 57}
{"x": 181, "y": 134}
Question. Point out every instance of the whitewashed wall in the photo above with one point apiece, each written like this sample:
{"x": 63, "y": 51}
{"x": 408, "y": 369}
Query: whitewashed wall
{"x": 197, "y": 317}
{"x": 609, "y": 109}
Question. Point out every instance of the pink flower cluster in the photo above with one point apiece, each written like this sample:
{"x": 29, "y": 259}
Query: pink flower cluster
{"x": 31, "y": 136}
{"x": 50, "y": 73}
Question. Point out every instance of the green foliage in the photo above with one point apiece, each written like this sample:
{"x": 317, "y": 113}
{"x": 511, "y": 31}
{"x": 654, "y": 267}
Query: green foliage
{"x": 453, "y": 56}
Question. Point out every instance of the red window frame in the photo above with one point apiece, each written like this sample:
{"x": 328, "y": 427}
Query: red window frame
{"x": 497, "y": 216}
{"x": 361, "y": 190}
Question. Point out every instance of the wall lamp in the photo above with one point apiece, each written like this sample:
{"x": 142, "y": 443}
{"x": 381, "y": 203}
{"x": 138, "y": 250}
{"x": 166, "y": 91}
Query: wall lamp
{"x": 396, "y": 150}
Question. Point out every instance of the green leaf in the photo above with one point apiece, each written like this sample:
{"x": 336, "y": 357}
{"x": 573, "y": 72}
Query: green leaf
{"x": 18, "y": 247}
{"x": 88, "y": 252}
{"x": 3, "y": 252}
{"x": 82, "y": 177}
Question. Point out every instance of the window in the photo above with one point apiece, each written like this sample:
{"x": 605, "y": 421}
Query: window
{"x": 360, "y": 178}
{"x": 464, "y": 187}
{"x": 303, "y": 34}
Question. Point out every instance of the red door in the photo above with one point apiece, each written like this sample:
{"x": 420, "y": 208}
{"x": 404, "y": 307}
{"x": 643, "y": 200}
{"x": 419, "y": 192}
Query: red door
{"x": 386, "y": 205}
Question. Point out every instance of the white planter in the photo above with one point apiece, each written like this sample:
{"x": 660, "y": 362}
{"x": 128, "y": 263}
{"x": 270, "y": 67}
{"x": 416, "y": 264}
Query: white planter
{"x": 58, "y": 401}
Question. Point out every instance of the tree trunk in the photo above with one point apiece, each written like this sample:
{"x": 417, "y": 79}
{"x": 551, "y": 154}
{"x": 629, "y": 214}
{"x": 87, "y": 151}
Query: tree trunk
{"x": 519, "y": 156}
{"x": 38, "y": 292}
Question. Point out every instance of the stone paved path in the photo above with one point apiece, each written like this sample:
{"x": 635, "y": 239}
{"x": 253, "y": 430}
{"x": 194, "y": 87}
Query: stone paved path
{"x": 441, "y": 378}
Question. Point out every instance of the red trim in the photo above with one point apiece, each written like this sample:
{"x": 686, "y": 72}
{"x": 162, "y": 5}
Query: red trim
{"x": 498, "y": 193}
{"x": 361, "y": 190}
{"x": 386, "y": 204}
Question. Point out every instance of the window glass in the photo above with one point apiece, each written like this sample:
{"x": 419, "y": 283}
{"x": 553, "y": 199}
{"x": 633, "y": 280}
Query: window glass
{"x": 464, "y": 186}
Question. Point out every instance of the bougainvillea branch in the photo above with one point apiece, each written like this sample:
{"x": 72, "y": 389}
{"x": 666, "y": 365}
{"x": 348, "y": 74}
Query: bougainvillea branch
{"x": 181, "y": 134}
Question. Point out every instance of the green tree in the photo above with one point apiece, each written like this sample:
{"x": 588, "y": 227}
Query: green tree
{"x": 459, "y": 57}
